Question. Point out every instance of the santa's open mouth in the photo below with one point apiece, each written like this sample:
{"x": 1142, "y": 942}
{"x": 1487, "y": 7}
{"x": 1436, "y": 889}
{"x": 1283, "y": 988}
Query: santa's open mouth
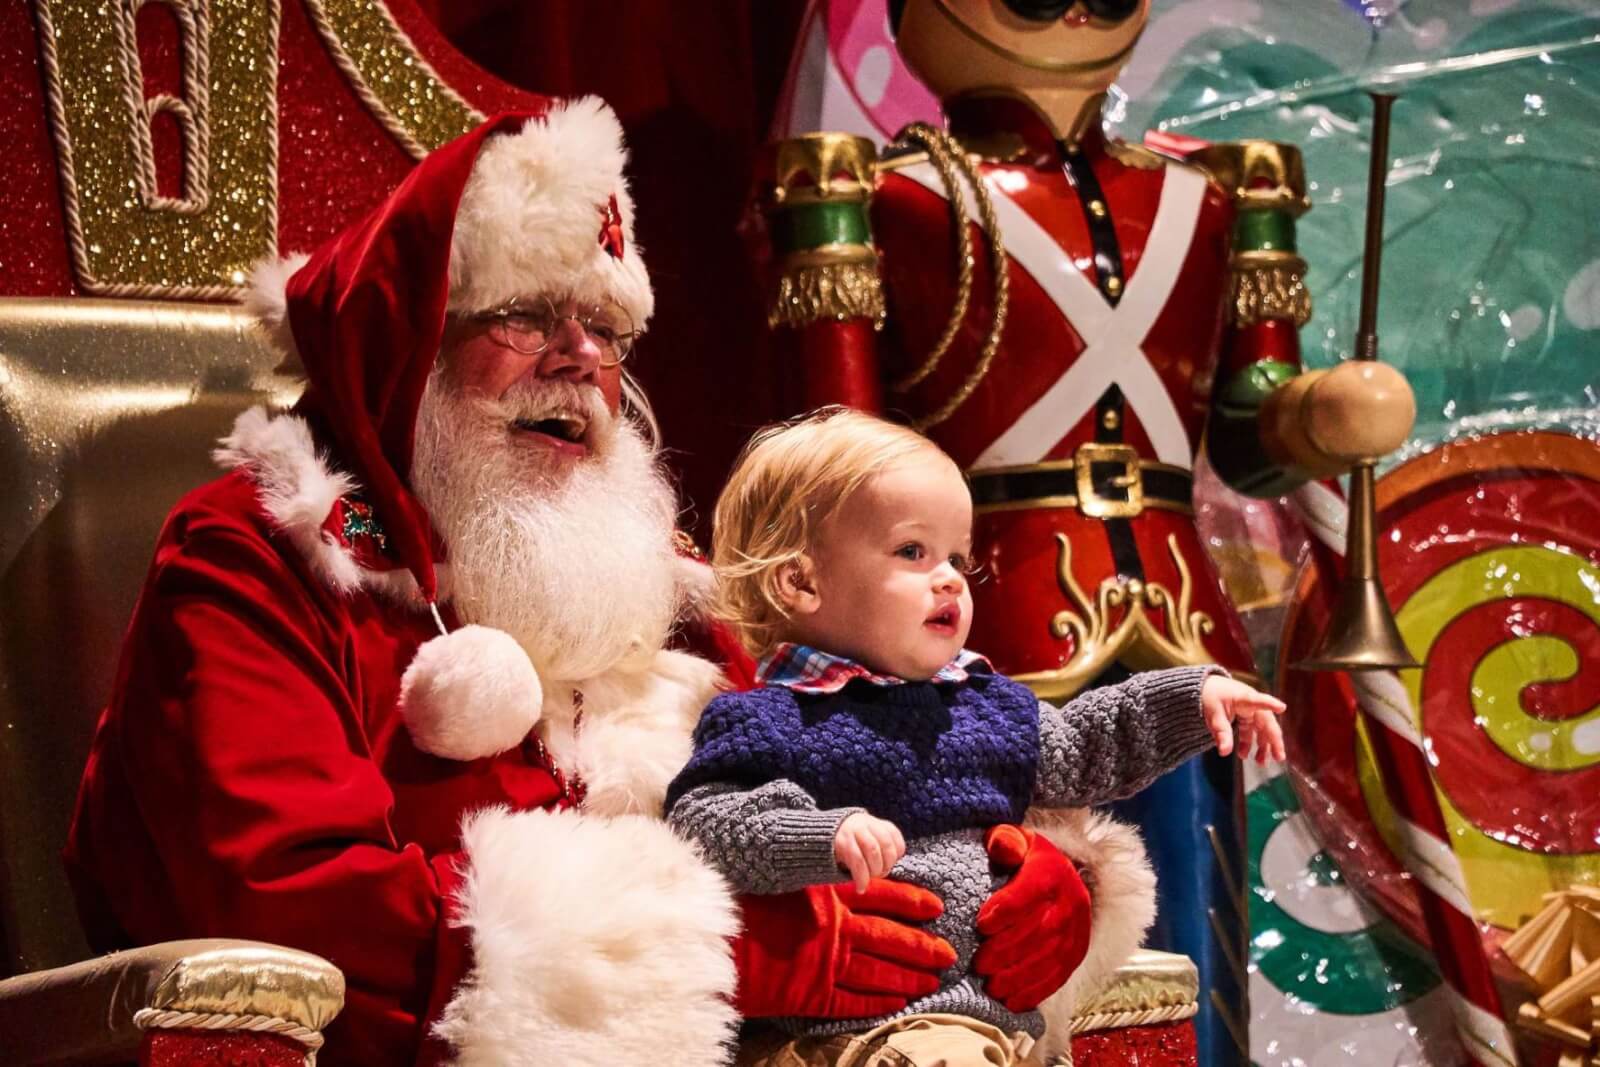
{"x": 568, "y": 433}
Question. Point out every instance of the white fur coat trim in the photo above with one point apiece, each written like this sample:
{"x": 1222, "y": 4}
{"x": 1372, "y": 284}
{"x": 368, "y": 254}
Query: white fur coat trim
{"x": 298, "y": 488}
{"x": 636, "y": 731}
{"x": 1122, "y": 888}
{"x": 266, "y": 300}
{"x": 596, "y": 941}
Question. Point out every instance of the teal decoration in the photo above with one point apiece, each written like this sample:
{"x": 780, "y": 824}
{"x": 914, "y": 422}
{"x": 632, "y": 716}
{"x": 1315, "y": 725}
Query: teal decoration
{"x": 1490, "y": 305}
{"x": 1491, "y": 270}
{"x": 1373, "y": 969}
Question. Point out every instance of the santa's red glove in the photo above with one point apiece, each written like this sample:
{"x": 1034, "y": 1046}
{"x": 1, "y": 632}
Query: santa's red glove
{"x": 1035, "y": 928}
{"x": 829, "y": 951}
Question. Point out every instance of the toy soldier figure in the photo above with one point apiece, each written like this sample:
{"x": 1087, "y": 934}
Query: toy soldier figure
{"x": 1146, "y": 304}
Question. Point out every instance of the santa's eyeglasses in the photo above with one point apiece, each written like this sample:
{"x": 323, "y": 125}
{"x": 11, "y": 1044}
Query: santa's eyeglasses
{"x": 529, "y": 327}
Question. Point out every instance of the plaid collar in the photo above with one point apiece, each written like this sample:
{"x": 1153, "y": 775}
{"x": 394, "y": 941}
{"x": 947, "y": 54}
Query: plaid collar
{"x": 811, "y": 670}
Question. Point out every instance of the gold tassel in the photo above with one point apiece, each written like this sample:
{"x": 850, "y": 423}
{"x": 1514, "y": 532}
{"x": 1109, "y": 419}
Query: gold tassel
{"x": 828, "y": 291}
{"x": 1270, "y": 291}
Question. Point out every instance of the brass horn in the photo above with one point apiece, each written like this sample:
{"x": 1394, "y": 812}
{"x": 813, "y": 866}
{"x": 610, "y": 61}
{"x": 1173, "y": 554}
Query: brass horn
{"x": 1362, "y": 635}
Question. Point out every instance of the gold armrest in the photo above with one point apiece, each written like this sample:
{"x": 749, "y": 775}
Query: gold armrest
{"x": 1151, "y": 987}
{"x": 96, "y": 1011}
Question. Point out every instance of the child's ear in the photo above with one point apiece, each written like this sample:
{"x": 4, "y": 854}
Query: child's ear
{"x": 797, "y": 587}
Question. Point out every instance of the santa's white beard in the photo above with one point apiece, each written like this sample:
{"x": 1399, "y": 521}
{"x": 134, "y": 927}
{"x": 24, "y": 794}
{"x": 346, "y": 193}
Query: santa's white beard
{"x": 571, "y": 556}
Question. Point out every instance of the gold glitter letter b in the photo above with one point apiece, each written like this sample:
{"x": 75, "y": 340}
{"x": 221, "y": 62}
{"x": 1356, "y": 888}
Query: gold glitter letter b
{"x": 126, "y": 238}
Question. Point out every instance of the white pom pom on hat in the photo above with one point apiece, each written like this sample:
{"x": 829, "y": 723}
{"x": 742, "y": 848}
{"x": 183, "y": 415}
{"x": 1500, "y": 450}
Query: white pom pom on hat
{"x": 469, "y": 694}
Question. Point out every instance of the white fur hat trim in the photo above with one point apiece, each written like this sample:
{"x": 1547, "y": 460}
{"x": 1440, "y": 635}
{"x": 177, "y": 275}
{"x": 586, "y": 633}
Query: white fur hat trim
{"x": 530, "y": 216}
{"x": 528, "y": 224}
{"x": 470, "y": 694}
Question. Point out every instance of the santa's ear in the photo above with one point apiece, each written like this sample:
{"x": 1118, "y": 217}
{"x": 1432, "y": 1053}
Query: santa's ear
{"x": 797, "y": 586}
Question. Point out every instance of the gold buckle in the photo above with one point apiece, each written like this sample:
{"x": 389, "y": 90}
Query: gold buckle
{"x": 1090, "y": 502}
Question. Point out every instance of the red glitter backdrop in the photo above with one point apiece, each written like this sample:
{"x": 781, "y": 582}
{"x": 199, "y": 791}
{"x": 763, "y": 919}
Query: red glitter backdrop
{"x": 695, "y": 86}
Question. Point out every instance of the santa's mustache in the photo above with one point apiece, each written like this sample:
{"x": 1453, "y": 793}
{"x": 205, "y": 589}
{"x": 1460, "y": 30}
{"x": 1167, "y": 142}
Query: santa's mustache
{"x": 548, "y": 398}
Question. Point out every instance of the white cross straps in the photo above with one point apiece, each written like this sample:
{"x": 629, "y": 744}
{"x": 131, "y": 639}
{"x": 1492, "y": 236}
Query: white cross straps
{"x": 1113, "y": 336}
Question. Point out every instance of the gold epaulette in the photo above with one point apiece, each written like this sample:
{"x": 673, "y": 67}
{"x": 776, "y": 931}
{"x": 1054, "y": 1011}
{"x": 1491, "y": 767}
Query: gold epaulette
{"x": 814, "y": 167}
{"x": 1267, "y": 182}
{"x": 1259, "y": 175}
{"x": 817, "y": 191}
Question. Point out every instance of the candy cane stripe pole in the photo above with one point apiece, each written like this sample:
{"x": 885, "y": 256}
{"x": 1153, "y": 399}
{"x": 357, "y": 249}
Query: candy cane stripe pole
{"x": 1438, "y": 879}
{"x": 1432, "y": 867}
{"x": 1456, "y": 939}
{"x": 1485, "y": 1035}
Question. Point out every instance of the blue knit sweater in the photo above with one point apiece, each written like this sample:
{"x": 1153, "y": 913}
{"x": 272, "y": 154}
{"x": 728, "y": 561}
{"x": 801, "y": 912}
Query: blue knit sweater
{"x": 929, "y": 758}
{"x": 775, "y": 771}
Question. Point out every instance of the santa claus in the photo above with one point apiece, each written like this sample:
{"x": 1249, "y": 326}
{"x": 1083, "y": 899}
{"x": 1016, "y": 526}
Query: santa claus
{"x": 398, "y": 689}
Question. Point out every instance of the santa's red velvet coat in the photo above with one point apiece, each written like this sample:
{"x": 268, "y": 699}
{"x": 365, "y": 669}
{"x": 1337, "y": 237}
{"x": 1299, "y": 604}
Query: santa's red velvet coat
{"x": 278, "y": 795}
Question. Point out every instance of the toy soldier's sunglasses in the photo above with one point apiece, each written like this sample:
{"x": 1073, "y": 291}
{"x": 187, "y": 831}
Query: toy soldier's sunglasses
{"x": 1050, "y": 10}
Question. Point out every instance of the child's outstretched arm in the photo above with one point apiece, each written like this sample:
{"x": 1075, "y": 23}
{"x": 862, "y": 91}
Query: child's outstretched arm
{"x": 1111, "y": 742}
{"x": 738, "y": 800}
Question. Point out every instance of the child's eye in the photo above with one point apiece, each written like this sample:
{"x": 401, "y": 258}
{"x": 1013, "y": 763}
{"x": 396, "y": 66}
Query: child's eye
{"x": 961, "y": 563}
{"x": 911, "y": 550}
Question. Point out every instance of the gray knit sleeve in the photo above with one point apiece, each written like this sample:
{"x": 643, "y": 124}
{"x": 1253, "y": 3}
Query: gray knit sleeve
{"x": 1111, "y": 742}
{"x": 770, "y": 839}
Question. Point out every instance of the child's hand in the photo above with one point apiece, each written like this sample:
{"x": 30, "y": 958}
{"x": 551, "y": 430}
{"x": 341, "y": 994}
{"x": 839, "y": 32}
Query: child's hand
{"x": 867, "y": 847}
{"x": 1224, "y": 700}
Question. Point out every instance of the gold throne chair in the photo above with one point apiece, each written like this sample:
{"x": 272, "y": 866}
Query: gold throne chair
{"x": 108, "y": 412}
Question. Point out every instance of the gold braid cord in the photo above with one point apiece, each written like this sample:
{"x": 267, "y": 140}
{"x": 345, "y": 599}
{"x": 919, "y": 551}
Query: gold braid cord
{"x": 828, "y": 291}
{"x": 1270, "y": 290}
{"x": 397, "y": 85}
{"x": 950, "y": 159}
{"x": 191, "y": 111}
{"x": 159, "y": 1019}
{"x": 943, "y": 160}
{"x": 1116, "y": 1020}
{"x": 103, "y": 145}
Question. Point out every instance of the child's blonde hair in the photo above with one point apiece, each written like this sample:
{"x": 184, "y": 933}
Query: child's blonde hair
{"x": 787, "y": 482}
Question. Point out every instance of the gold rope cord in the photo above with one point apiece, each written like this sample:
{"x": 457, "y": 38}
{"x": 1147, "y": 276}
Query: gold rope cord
{"x": 1116, "y": 1020}
{"x": 940, "y": 155}
{"x": 159, "y": 1019}
{"x": 948, "y": 158}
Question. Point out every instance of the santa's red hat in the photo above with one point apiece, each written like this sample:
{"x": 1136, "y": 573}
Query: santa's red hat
{"x": 525, "y": 205}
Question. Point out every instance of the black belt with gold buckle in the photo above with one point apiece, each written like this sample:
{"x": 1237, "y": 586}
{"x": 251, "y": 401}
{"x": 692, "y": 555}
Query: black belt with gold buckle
{"x": 1103, "y": 481}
